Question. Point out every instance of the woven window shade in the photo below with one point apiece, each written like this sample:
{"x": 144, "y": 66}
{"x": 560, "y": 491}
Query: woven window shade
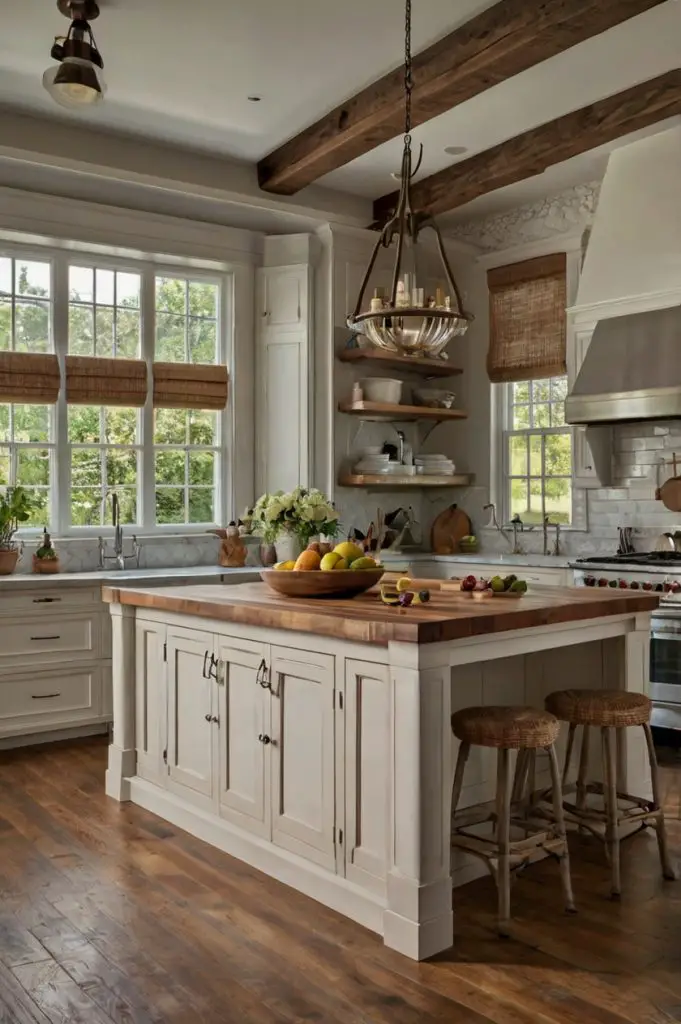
{"x": 28, "y": 377}
{"x": 190, "y": 386}
{"x": 527, "y": 320}
{"x": 91, "y": 380}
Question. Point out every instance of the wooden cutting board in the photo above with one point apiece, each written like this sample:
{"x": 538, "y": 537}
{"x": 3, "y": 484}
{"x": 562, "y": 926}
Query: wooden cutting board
{"x": 448, "y": 529}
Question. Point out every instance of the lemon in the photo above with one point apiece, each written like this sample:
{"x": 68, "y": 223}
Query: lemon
{"x": 284, "y": 566}
{"x": 403, "y": 584}
{"x": 330, "y": 561}
{"x": 349, "y": 551}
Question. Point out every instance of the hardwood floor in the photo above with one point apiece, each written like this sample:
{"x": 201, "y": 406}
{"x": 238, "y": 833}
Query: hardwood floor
{"x": 108, "y": 914}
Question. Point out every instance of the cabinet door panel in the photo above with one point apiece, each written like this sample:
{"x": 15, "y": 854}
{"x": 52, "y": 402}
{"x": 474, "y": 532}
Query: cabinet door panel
{"x": 190, "y": 705}
{"x": 367, "y": 773}
{"x": 244, "y": 716}
{"x": 303, "y": 791}
{"x": 150, "y": 695}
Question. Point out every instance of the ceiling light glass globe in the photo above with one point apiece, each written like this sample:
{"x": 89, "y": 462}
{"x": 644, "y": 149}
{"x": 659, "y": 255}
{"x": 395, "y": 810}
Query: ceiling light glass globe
{"x": 75, "y": 83}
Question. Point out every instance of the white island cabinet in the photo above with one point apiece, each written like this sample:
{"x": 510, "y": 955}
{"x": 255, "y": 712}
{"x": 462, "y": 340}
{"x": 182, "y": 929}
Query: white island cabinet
{"x": 312, "y": 739}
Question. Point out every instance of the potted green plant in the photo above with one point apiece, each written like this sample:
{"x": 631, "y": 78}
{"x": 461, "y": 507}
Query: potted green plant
{"x": 46, "y": 559}
{"x": 15, "y": 508}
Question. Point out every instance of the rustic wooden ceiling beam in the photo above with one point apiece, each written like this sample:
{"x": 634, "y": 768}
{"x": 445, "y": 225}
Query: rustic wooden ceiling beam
{"x": 531, "y": 153}
{"x": 500, "y": 42}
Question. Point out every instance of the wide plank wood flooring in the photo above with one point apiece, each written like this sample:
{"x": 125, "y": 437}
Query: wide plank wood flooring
{"x": 109, "y": 914}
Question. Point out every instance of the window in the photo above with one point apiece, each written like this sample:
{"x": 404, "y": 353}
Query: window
{"x": 166, "y": 465}
{"x": 104, "y": 312}
{"x": 26, "y": 454}
{"x": 186, "y": 441}
{"x": 25, "y": 305}
{"x": 538, "y": 452}
{"x": 104, "y": 458}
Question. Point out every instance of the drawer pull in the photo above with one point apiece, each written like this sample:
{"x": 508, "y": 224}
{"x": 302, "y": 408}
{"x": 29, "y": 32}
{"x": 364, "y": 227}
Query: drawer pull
{"x": 44, "y": 696}
{"x": 45, "y": 600}
{"x": 57, "y": 637}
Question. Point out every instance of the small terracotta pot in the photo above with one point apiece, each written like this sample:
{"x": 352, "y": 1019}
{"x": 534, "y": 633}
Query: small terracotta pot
{"x": 46, "y": 566}
{"x": 8, "y": 561}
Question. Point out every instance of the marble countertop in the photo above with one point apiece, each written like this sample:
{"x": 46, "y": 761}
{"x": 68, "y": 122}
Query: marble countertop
{"x": 484, "y": 558}
{"x": 131, "y": 577}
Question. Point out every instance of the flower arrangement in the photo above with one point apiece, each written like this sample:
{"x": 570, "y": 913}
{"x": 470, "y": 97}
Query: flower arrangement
{"x": 301, "y": 512}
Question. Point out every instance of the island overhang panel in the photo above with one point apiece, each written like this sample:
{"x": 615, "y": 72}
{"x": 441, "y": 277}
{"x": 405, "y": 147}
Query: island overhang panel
{"x": 311, "y": 738}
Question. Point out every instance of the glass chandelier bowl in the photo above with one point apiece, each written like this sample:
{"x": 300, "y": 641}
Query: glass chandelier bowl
{"x": 411, "y": 332}
{"x": 409, "y": 322}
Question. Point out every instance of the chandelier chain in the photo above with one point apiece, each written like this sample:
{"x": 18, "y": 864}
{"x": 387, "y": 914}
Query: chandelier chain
{"x": 408, "y": 78}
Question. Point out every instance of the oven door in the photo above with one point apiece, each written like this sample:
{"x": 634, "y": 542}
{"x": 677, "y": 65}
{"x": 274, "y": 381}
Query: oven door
{"x": 665, "y": 670}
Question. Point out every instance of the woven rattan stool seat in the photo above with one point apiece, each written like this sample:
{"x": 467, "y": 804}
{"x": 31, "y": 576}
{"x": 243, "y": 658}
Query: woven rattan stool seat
{"x": 505, "y": 727}
{"x": 599, "y": 707}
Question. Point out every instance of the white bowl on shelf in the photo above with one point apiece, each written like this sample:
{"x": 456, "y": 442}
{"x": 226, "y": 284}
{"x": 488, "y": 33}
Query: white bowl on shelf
{"x": 381, "y": 389}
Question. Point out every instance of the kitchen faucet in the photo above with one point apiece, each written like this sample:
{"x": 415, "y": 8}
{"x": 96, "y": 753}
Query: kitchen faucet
{"x": 493, "y": 522}
{"x": 119, "y": 558}
{"x": 556, "y": 544}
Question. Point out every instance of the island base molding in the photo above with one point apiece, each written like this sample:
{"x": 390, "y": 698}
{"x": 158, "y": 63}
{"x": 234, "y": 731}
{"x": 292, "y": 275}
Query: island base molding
{"x": 333, "y": 891}
{"x": 327, "y": 764}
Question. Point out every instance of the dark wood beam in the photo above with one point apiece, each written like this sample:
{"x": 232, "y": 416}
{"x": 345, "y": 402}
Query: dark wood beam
{"x": 531, "y": 153}
{"x": 500, "y": 42}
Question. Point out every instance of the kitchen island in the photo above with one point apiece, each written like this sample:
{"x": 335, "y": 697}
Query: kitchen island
{"x": 312, "y": 739}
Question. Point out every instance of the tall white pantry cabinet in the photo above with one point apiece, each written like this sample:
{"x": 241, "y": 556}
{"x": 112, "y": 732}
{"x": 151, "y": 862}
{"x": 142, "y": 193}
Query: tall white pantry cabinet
{"x": 284, "y": 362}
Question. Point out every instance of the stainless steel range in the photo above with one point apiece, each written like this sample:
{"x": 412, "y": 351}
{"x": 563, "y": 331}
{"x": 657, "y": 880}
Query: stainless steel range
{"x": 660, "y": 572}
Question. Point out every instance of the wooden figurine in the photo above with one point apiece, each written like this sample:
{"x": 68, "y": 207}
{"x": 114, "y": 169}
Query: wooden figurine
{"x": 232, "y": 550}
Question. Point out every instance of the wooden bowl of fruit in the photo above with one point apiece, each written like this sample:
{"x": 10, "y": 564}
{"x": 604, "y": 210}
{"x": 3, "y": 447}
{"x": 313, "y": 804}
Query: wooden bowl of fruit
{"x": 344, "y": 572}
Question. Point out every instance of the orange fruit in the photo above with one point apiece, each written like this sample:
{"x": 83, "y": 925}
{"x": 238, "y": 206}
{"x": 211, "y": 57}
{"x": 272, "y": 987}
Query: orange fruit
{"x": 308, "y": 560}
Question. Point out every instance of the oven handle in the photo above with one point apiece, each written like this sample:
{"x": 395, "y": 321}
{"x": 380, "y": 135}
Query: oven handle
{"x": 665, "y": 634}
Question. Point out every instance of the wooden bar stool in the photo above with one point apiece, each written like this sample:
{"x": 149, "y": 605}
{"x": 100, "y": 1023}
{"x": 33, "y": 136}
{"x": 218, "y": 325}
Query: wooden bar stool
{"x": 525, "y": 730}
{"x": 611, "y": 711}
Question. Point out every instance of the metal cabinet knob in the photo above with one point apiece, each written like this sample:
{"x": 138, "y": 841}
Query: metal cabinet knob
{"x": 209, "y": 718}
{"x": 264, "y": 739}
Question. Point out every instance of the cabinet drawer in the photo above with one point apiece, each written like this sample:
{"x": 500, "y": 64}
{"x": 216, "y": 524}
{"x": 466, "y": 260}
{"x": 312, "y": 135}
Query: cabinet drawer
{"x": 48, "y": 600}
{"x": 49, "y": 700}
{"x": 49, "y": 638}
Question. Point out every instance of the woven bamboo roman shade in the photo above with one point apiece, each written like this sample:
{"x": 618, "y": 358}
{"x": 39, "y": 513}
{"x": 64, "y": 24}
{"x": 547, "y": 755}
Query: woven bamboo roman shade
{"x": 29, "y": 377}
{"x": 190, "y": 386}
{"x": 91, "y": 380}
{"x": 527, "y": 320}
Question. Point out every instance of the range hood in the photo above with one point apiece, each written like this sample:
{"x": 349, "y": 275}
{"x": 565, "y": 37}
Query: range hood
{"x": 631, "y": 285}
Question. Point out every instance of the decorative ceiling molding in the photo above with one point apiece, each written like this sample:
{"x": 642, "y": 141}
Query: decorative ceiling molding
{"x": 568, "y": 212}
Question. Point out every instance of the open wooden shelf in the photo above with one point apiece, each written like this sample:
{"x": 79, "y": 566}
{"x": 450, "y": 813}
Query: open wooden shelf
{"x": 412, "y": 364}
{"x": 392, "y": 481}
{"x": 399, "y": 413}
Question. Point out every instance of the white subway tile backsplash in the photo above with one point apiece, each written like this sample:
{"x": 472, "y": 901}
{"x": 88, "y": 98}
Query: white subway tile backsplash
{"x": 638, "y": 449}
{"x": 640, "y": 444}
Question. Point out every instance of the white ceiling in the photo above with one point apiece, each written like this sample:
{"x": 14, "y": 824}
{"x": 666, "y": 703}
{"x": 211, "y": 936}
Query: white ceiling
{"x": 181, "y": 73}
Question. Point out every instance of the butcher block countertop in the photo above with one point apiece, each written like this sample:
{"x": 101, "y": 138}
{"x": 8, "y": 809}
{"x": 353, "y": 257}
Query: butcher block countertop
{"x": 449, "y": 615}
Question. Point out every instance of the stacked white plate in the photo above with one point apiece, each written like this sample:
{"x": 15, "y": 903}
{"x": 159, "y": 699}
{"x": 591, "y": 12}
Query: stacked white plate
{"x": 373, "y": 461}
{"x": 434, "y": 465}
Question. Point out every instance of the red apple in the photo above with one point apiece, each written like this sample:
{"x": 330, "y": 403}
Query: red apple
{"x": 468, "y": 583}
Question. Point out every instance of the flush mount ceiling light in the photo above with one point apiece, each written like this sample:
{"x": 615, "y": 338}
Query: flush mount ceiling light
{"x": 76, "y": 80}
{"x": 407, "y": 320}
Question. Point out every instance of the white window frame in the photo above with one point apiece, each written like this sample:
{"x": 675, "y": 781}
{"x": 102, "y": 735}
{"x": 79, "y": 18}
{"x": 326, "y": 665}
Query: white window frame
{"x": 149, "y": 268}
{"x": 500, "y": 476}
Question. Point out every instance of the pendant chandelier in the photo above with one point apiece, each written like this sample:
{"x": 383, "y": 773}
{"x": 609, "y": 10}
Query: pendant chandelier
{"x": 407, "y": 320}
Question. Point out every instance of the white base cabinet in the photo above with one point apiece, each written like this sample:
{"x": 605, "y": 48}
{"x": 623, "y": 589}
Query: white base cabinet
{"x": 55, "y": 669}
{"x": 243, "y": 730}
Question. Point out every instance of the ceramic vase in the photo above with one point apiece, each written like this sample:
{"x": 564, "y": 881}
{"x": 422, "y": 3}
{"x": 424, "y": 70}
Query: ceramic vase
{"x": 288, "y": 547}
{"x": 268, "y": 554}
